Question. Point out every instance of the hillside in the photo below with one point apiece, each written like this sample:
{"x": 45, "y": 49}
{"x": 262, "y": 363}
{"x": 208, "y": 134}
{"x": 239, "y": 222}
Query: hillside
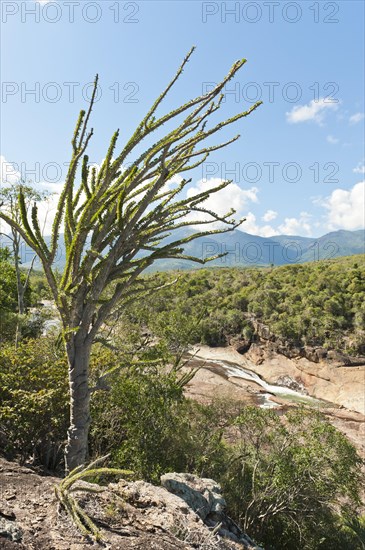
{"x": 310, "y": 304}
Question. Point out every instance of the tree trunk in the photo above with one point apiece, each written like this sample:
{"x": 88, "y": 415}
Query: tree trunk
{"x": 20, "y": 287}
{"x": 78, "y": 353}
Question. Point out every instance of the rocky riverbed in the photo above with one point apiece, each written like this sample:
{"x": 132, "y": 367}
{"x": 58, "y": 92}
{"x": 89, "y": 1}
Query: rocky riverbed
{"x": 267, "y": 379}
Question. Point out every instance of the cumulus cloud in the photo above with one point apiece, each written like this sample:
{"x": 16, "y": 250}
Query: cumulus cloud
{"x": 357, "y": 117}
{"x": 359, "y": 169}
{"x": 46, "y": 208}
{"x": 297, "y": 226}
{"x": 173, "y": 182}
{"x": 346, "y": 208}
{"x": 269, "y": 215}
{"x": 251, "y": 226}
{"x": 313, "y": 111}
{"x": 332, "y": 140}
{"x": 221, "y": 202}
{"x": 235, "y": 197}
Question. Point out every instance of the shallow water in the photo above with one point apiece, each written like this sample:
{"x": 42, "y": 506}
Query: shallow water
{"x": 233, "y": 370}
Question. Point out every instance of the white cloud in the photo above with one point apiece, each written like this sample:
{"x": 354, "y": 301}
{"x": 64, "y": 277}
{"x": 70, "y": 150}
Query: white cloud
{"x": 333, "y": 140}
{"x": 46, "y": 209}
{"x": 357, "y": 117}
{"x": 297, "y": 226}
{"x": 346, "y": 208}
{"x": 250, "y": 226}
{"x": 267, "y": 231}
{"x": 46, "y": 213}
{"x": 359, "y": 169}
{"x": 222, "y": 201}
{"x": 173, "y": 182}
{"x": 235, "y": 197}
{"x": 8, "y": 172}
{"x": 314, "y": 110}
{"x": 269, "y": 215}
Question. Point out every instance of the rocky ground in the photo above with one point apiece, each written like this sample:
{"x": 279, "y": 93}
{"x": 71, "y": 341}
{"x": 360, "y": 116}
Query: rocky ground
{"x": 185, "y": 513}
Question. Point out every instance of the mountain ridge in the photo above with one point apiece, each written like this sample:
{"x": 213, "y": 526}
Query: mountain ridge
{"x": 248, "y": 250}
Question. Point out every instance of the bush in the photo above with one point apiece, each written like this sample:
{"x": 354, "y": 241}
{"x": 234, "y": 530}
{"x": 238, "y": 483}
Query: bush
{"x": 10, "y": 322}
{"x": 135, "y": 419}
{"x": 143, "y": 422}
{"x": 318, "y": 303}
{"x": 288, "y": 481}
{"x": 147, "y": 424}
{"x": 291, "y": 482}
{"x": 34, "y": 401}
{"x": 8, "y": 288}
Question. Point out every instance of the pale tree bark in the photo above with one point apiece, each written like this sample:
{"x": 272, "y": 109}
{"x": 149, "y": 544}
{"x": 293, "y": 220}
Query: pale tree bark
{"x": 20, "y": 286}
{"x": 78, "y": 353}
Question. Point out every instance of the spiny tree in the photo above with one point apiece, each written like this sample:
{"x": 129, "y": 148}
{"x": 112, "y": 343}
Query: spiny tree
{"x": 115, "y": 225}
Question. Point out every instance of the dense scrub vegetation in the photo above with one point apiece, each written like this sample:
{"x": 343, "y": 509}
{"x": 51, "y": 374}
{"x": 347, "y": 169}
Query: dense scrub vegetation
{"x": 8, "y": 296}
{"x": 292, "y": 482}
{"x": 33, "y": 400}
{"x": 11, "y": 323}
{"x": 316, "y": 304}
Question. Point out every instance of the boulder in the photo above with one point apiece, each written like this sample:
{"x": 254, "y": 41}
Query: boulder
{"x": 202, "y": 495}
{"x": 256, "y": 354}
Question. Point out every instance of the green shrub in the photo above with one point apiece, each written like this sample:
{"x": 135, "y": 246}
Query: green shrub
{"x": 10, "y": 322}
{"x": 288, "y": 482}
{"x": 147, "y": 424}
{"x": 34, "y": 401}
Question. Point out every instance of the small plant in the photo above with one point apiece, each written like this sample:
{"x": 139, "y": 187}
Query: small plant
{"x": 69, "y": 485}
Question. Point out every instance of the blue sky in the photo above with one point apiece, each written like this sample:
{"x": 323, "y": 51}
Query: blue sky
{"x": 299, "y": 165}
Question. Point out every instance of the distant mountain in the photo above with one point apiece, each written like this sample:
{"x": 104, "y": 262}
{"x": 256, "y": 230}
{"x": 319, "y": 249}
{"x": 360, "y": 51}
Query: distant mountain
{"x": 244, "y": 249}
